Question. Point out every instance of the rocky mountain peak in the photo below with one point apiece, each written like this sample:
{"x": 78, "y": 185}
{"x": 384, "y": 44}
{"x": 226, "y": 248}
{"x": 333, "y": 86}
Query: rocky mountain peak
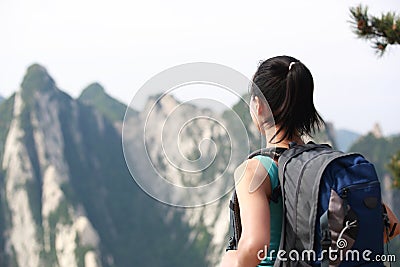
{"x": 92, "y": 90}
{"x": 36, "y": 79}
{"x": 377, "y": 131}
{"x": 95, "y": 95}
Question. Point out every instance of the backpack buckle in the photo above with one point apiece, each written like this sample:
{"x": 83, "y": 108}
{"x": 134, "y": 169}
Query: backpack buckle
{"x": 231, "y": 244}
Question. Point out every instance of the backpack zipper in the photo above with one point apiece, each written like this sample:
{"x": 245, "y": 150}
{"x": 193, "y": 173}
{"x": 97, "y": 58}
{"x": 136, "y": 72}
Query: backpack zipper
{"x": 345, "y": 190}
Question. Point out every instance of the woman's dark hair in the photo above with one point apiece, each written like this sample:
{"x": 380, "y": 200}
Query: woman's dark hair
{"x": 288, "y": 87}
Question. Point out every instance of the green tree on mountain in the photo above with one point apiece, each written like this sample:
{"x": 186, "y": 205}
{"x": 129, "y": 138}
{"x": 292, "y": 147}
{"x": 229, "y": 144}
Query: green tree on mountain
{"x": 381, "y": 31}
{"x": 394, "y": 167}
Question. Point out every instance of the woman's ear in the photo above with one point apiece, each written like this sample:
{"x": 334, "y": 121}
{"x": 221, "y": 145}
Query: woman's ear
{"x": 256, "y": 111}
{"x": 258, "y": 105}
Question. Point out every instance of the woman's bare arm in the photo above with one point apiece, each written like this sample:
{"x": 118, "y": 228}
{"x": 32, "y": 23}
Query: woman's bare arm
{"x": 255, "y": 216}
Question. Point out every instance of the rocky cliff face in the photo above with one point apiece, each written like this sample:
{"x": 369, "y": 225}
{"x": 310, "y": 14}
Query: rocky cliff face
{"x": 42, "y": 226}
{"x": 183, "y": 137}
{"x": 67, "y": 198}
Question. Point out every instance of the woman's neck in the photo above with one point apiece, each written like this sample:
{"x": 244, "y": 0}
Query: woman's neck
{"x": 282, "y": 141}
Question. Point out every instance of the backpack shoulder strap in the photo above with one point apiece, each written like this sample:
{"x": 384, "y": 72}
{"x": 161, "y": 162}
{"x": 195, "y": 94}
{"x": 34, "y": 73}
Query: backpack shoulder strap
{"x": 235, "y": 224}
{"x": 272, "y": 152}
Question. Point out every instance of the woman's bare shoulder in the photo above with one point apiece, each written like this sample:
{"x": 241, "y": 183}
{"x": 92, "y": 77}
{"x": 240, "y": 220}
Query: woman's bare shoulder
{"x": 251, "y": 176}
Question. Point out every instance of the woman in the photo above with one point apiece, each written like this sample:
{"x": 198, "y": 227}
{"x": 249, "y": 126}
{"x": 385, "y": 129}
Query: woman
{"x": 282, "y": 91}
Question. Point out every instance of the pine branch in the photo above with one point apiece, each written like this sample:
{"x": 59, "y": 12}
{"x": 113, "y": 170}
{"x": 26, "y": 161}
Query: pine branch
{"x": 381, "y": 31}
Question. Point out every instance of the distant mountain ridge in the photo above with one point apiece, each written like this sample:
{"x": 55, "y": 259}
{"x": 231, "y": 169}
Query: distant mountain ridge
{"x": 95, "y": 95}
{"x": 345, "y": 139}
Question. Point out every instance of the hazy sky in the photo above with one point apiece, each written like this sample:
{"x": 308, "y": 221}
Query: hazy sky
{"x": 122, "y": 44}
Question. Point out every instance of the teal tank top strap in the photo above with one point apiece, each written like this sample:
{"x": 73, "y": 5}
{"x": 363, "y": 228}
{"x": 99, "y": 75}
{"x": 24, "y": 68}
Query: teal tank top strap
{"x": 272, "y": 169}
{"x": 276, "y": 210}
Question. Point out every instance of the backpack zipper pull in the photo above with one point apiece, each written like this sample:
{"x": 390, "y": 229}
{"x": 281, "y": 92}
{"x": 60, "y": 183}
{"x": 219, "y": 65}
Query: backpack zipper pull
{"x": 345, "y": 194}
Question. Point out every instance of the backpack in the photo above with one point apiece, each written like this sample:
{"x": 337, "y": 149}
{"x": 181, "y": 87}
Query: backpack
{"x": 332, "y": 208}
